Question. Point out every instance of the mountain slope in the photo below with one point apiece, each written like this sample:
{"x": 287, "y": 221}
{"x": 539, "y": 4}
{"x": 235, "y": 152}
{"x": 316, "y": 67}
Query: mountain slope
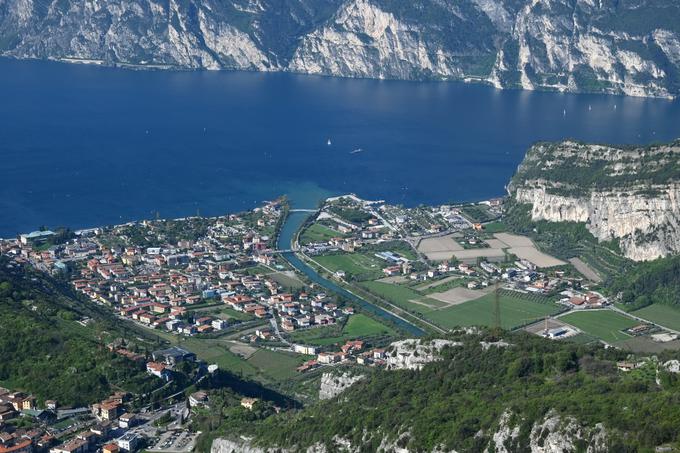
{"x": 46, "y": 352}
{"x": 617, "y": 46}
{"x": 532, "y": 395}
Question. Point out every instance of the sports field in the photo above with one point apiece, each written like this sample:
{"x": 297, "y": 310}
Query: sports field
{"x": 360, "y": 266}
{"x": 319, "y": 233}
{"x": 604, "y": 324}
{"x": 664, "y": 315}
{"x": 515, "y": 311}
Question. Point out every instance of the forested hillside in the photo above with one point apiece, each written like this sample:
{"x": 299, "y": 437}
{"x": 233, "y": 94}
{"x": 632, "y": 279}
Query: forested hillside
{"x": 532, "y": 393}
{"x": 47, "y": 352}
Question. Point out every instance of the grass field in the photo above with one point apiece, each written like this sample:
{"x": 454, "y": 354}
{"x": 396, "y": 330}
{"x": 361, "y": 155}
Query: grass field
{"x": 318, "y": 233}
{"x": 664, "y": 315}
{"x": 274, "y": 364}
{"x": 603, "y": 324}
{"x": 215, "y": 351}
{"x": 403, "y": 296}
{"x": 515, "y": 312}
{"x": 357, "y": 326}
{"x": 495, "y": 227}
{"x": 360, "y": 266}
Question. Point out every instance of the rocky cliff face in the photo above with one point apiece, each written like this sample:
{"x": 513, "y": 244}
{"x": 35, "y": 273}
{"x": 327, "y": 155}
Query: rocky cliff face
{"x": 625, "y": 193}
{"x": 553, "y": 434}
{"x": 414, "y": 354}
{"x": 630, "y": 47}
{"x": 332, "y": 385}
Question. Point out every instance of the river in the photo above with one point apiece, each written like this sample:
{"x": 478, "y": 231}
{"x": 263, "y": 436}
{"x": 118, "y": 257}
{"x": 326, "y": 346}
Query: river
{"x": 288, "y": 231}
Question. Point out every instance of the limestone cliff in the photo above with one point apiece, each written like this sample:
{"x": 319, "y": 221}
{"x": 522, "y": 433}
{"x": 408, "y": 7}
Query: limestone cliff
{"x": 631, "y": 194}
{"x": 333, "y": 384}
{"x": 552, "y": 434}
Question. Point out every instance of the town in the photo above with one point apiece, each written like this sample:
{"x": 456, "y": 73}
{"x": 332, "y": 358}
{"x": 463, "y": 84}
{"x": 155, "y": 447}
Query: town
{"x": 218, "y": 294}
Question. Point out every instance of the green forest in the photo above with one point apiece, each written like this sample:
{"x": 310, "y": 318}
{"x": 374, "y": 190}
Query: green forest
{"x": 456, "y": 403}
{"x": 45, "y": 350}
{"x": 648, "y": 283}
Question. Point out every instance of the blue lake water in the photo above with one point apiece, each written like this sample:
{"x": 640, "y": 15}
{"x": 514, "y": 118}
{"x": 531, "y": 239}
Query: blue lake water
{"x": 83, "y": 146}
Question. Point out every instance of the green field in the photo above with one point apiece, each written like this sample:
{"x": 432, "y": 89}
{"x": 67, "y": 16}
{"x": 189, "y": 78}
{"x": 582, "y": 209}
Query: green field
{"x": 357, "y": 326}
{"x": 495, "y": 227}
{"x": 515, "y": 312}
{"x": 357, "y": 265}
{"x": 403, "y": 296}
{"x": 318, "y": 233}
{"x": 604, "y": 324}
{"x": 277, "y": 365}
{"x": 664, "y": 315}
{"x": 216, "y": 351}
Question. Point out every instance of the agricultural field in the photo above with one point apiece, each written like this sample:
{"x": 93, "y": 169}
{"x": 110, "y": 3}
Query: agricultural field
{"x": 357, "y": 326}
{"x": 318, "y": 233}
{"x": 515, "y": 311}
{"x": 606, "y": 325}
{"x": 403, "y": 296}
{"x": 664, "y": 315}
{"x": 358, "y": 266}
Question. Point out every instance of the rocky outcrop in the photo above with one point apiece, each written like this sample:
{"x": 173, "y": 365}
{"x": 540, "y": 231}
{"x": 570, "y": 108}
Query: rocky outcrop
{"x": 553, "y": 434}
{"x": 631, "y": 48}
{"x": 246, "y": 446}
{"x": 672, "y": 366}
{"x": 415, "y": 354}
{"x": 627, "y": 194}
{"x": 332, "y": 385}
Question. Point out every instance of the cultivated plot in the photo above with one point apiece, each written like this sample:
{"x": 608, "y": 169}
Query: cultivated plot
{"x": 515, "y": 312}
{"x": 439, "y": 248}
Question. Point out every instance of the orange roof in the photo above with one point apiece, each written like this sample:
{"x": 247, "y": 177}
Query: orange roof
{"x": 16, "y": 447}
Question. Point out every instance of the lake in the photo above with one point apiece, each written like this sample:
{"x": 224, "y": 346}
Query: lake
{"x": 83, "y": 146}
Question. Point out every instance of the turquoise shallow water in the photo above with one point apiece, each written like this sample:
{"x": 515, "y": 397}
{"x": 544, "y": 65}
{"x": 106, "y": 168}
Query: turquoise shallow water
{"x": 83, "y": 146}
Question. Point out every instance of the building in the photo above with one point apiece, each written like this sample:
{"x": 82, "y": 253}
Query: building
{"x": 249, "y": 403}
{"x": 110, "y": 448}
{"x": 199, "y": 398}
{"x": 158, "y": 369}
{"x": 20, "y": 446}
{"x": 173, "y": 355}
{"x": 36, "y": 237}
{"x": 72, "y": 446}
{"x": 127, "y": 420}
{"x": 129, "y": 441}
{"x": 106, "y": 410}
{"x": 303, "y": 349}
